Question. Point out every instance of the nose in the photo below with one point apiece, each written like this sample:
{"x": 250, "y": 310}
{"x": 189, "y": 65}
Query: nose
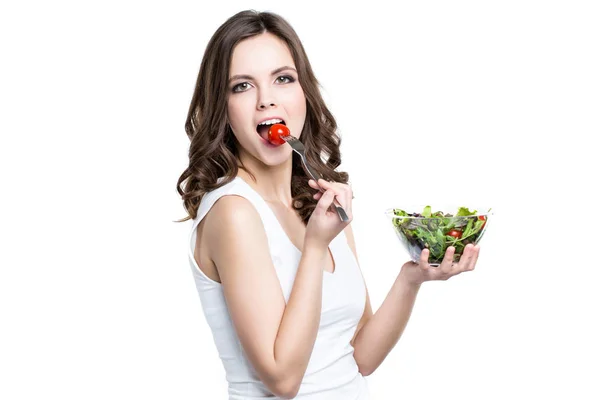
{"x": 263, "y": 106}
{"x": 265, "y": 100}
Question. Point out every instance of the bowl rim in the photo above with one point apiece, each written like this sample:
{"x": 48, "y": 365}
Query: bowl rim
{"x": 390, "y": 211}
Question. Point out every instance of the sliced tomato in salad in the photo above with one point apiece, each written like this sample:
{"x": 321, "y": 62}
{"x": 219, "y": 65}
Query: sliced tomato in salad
{"x": 482, "y": 218}
{"x": 455, "y": 233}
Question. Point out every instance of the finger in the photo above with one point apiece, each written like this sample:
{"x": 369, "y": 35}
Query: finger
{"x": 424, "y": 260}
{"x": 337, "y": 186}
{"x": 346, "y": 203}
{"x": 446, "y": 264}
{"x": 317, "y": 195}
{"x": 325, "y": 184}
{"x": 325, "y": 201}
{"x": 473, "y": 261}
{"x": 342, "y": 193}
{"x": 466, "y": 257}
{"x": 313, "y": 184}
{"x": 349, "y": 196}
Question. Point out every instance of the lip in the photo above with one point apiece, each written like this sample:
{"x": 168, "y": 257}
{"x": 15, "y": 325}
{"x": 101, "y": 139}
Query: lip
{"x": 267, "y": 143}
{"x": 268, "y": 118}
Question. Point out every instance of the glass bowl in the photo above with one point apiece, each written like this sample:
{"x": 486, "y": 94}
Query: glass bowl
{"x": 437, "y": 228}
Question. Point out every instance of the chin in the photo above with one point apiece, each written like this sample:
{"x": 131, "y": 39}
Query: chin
{"x": 274, "y": 159}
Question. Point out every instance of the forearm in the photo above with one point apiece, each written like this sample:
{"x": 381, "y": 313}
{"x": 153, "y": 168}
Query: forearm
{"x": 381, "y": 333}
{"x": 300, "y": 322}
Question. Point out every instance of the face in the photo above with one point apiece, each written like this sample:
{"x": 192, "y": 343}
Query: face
{"x": 264, "y": 85}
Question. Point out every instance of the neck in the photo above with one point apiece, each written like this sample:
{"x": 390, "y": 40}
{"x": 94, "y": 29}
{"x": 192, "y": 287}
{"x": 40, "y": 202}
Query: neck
{"x": 273, "y": 183}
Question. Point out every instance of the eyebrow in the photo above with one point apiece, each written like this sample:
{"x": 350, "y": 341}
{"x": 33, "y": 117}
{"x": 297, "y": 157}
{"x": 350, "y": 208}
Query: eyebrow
{"x": 274, "y": 72}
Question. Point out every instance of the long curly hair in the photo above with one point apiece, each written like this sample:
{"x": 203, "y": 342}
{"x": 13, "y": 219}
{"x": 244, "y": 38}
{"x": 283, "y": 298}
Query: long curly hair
{"x": 213, "y": 151}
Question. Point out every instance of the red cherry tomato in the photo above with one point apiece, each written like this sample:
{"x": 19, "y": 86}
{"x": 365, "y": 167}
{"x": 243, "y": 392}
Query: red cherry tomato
{"x": 455, "y": 233}
{"x": 276, "y": 132}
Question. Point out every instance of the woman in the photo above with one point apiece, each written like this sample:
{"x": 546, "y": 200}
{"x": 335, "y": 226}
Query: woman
{"x": 277, "y": 271}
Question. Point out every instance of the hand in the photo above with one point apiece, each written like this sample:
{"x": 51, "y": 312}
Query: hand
{"x": 324, "y": 225}
{"x": 417, "y": 273}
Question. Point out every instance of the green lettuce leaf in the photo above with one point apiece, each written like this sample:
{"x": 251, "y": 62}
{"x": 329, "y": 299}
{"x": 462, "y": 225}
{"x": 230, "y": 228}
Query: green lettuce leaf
{"x": 464, "y": 212}
{"x": 427, "y": 212}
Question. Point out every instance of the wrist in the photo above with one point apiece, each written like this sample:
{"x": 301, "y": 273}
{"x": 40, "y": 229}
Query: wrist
{"x": 315, "y": 249}
{"x": 314, "y": 246}
{"x": 405, "y": 279}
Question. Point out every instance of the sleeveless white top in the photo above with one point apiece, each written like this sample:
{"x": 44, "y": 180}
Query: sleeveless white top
{"x": 332, "y": 372}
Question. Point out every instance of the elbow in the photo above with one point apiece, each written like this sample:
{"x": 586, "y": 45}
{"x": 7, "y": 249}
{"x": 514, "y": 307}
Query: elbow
{"x": 365, "y": 371}
{"x": 283, "y": 382}
{"x": 287, "y": 389}
{"x": 366, "y": 364}
{"x": 364, "y": 368}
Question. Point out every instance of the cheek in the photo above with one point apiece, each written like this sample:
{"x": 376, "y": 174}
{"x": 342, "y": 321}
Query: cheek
{"x": 235, "y": 113}
{"x": 234, "y": 117}
{"x": 298, "y": 102}
{"x": 232, "y": 111}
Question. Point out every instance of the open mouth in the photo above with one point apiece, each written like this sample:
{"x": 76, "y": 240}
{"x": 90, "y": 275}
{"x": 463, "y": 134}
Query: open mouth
{"x": 263, "y": 127}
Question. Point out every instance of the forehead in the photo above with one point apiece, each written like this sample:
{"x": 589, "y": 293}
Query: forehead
{"x": 260, "y": 54}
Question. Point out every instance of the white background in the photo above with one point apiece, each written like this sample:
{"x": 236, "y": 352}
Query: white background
{"x": 463, "y": 102}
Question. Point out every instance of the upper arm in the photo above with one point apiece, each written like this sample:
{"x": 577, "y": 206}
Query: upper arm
{"x": 239, "y": 248}
{"x": 368, "y": 313}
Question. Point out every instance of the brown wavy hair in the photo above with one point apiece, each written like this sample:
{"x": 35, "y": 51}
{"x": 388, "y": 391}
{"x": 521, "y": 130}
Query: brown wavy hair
{"x": 213, "y": 149}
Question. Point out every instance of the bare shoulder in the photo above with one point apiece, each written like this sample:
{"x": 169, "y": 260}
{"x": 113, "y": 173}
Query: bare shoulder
{"x": 234, "y": 230}
{"x": 219, "y": 224}
{"x": 230, "y": 207}
{"x": 232, "y": 214}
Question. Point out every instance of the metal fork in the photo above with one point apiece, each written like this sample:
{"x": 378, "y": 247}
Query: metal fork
{"x": 298, "y": 147}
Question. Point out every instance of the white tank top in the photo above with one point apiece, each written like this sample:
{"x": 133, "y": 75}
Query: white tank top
{"x": 332, "y": 372}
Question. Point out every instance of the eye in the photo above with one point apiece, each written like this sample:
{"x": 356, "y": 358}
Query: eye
{"x": 285, "y": 79}
{"x": 240, "y": 87}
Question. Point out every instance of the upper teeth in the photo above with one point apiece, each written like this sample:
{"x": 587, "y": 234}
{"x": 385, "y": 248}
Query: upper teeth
{"x": 271, "y": 121}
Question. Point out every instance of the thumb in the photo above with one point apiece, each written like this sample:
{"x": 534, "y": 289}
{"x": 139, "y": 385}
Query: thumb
{"x": 325, "y": 201}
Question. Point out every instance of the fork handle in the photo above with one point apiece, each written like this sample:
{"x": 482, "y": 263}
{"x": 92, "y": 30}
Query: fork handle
{"x": 336, "y": 206}
{"x": 340, "y": 211}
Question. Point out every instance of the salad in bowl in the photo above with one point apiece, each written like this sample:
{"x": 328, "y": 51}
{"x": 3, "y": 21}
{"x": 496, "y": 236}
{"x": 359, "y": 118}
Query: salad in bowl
{"x": 424, "y": 227}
